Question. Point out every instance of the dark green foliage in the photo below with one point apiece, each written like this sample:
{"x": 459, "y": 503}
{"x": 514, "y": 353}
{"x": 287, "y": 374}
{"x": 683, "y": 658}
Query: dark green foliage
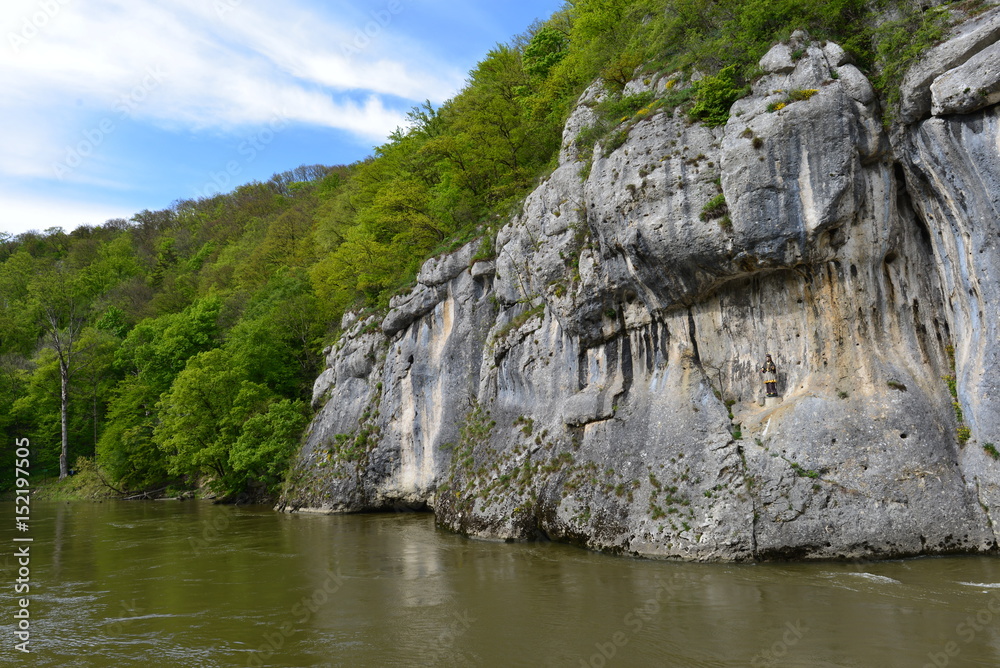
{"x": 803, "y": 472}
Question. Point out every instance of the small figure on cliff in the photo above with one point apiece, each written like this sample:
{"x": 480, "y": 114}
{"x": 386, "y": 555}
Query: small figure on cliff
{"x": 770, "y": 376}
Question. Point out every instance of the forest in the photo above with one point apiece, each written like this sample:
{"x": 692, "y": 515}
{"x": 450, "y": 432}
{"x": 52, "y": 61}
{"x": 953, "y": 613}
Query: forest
{"x": 177, "y": 349}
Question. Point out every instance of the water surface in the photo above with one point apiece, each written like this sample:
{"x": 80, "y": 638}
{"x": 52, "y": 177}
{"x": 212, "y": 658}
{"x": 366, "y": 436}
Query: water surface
{"x": 191, "y": 584}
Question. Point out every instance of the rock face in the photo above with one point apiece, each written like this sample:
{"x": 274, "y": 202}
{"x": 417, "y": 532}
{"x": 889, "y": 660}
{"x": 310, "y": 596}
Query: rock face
{"x": 598, "y": 381}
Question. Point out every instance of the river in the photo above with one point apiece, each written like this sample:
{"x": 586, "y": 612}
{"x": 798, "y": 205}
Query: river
{"x": 191, "y": 584}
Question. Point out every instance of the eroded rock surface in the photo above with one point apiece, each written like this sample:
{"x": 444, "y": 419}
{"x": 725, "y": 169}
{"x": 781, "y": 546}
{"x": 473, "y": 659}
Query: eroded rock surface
{"x": 597, "y": 381}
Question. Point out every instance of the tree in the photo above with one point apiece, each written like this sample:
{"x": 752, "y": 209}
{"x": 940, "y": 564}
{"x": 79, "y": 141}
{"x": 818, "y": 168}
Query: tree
{"x": 202, "y": 416}
{"x": 267, "y": 442}
{"x": 18, "y": 321}
{"x": 62, "y": 312}
{"x": 153, "y": 353}
{"x": 544, "y": 51}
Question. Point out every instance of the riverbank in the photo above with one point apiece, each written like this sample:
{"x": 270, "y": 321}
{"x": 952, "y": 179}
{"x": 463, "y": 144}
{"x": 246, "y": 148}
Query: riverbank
{"x": 86, "y": 484}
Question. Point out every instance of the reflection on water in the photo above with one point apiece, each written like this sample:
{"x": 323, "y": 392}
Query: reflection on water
{"x": 191, "y": 584}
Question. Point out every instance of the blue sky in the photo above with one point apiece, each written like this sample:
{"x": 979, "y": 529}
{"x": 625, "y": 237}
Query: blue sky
{"x": 114, "y": 106}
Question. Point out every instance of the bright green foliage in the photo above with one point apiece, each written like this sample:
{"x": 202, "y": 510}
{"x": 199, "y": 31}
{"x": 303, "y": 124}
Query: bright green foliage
{"x": 545, "y": 50}
{"x": 158, "y": 348}
{"x": 17, "y": 330}
{"x": 151, "y": 357}
{"x": 267, "y": 442}
{"x": 714, "y": 95}
{"x": 714, "y": 208}
{"x": 113, "y": 320}
{"x": 37, "y": 409}
{"x": 203, "y": 413}
{"x": 614, "y": 116}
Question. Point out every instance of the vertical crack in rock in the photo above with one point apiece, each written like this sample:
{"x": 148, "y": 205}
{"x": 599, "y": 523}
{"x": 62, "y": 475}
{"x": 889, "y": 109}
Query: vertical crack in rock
{"x": 748, "y": 483}
{"x": 986, "y": 511}
{"x": 693, "y": 334}
{"x": 626, "y": 354}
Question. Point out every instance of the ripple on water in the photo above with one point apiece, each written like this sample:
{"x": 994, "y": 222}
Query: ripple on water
{"x": 875, "y": 578}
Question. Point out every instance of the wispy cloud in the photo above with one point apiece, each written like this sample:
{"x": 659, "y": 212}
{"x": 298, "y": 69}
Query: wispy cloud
{"x": 20, "y": 211}
{"x": 85, "y": 123}
{"x": 92, "y": 88}
{"x": 221, "y": 70}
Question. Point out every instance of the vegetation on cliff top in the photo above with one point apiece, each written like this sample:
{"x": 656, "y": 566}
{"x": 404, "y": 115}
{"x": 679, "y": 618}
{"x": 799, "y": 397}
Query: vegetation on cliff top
{"x": 188, "y": 338}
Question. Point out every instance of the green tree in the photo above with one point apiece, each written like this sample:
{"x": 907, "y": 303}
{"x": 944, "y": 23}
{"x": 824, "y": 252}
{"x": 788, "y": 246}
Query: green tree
{"x": 202, "y": 417}
{"x": 544, "y": 51}
{"x": 715, "y": 95}
{"x": 152, "y": 355}
{"x": 267, "y": 443}
{"x": 37, "y": 409}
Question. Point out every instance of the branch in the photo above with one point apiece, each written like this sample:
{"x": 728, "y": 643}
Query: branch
{"x": 107, "y": 484}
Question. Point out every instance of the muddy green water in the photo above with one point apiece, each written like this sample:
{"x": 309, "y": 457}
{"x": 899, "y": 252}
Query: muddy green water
{"x": 191, "y": 584}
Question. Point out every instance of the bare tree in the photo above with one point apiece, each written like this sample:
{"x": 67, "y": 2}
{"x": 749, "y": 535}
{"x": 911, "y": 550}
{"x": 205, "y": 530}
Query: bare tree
{"x": 62, "y": 329}
{"x": 62, "y": 314}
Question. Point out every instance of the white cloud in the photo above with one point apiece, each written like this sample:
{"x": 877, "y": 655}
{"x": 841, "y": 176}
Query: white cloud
{"x": 365, "y": 56}
{"x": 19, "y": 213}
{"x": 184, "y": 65}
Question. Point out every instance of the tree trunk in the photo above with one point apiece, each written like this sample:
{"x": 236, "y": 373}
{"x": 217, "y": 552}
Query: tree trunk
{"x": 63, "y": 416}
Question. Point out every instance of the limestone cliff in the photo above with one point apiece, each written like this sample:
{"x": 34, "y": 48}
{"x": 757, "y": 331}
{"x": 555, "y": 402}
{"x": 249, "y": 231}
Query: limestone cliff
{"x": 598, "y": 383}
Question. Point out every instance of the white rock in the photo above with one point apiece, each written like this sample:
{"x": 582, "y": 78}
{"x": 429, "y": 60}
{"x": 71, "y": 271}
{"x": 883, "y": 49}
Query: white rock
{"x": 835, "y": 54}
{"x": 856, "y": 84}
{"x": 966, "y": 41}
{"x": 778, "y": 59}
{"x": 968, "y": 87}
